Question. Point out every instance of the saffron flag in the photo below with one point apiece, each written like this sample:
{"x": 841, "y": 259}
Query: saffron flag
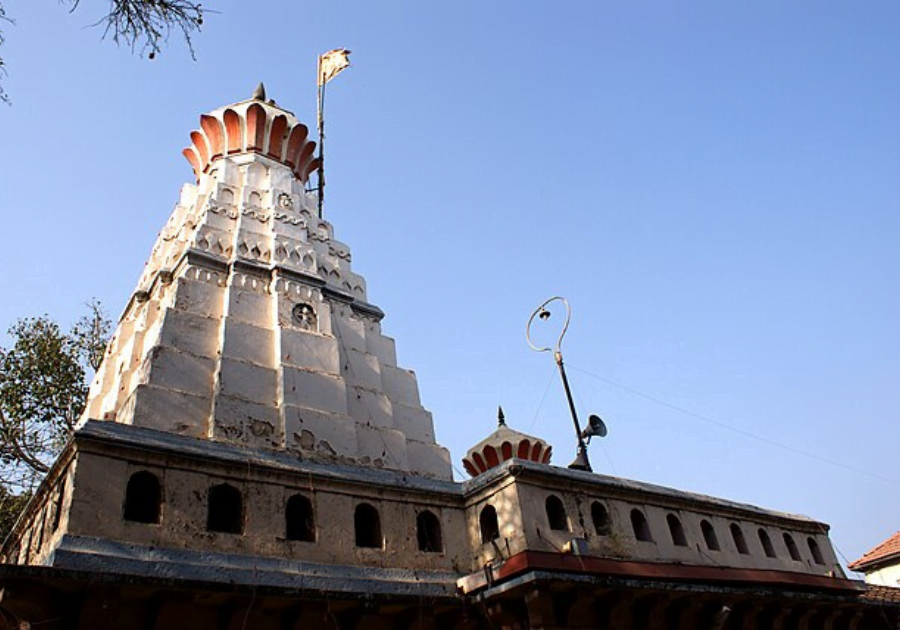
{"x": 332, "y": 64}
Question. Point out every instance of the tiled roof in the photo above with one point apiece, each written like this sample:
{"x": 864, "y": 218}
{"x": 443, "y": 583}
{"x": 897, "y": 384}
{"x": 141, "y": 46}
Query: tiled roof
{"x": 881, "y": 594}
{"x": 890, "y": 547}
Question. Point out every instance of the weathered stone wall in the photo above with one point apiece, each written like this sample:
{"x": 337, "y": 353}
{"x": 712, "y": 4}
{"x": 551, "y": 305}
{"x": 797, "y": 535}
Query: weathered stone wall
{"x": 44, "y": 521}
{"x": 100, "y": 493}
{"x": 524, "y": 524}
{"x": 93, "y": 531}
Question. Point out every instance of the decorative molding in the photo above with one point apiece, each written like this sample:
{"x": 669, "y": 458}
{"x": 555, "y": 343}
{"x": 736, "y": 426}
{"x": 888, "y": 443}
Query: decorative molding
{"x": 340, "y": 296}
{"x": 227, "y": 211}
{"x": 367, "y": 309}
{"x": 259, "y": 215}
{"x": 200, "y": 258}
{"x": 251, "y": 268}
{"x": 300, "y": 254}
{"x": 320, "y": 234}
{"x": 343, "y": 253}
{"x": 296, "y": 276}
{"x": 250, "y": 281}
{"x": 253, "y": 250}
{"x": 286, "y": 218}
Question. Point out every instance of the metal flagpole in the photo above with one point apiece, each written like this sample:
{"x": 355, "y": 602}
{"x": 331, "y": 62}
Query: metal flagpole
{"x": 321, "y": 124}
{"x": 329, "y": 65}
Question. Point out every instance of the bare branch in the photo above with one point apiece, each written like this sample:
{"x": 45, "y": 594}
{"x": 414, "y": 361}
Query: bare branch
{"x": 147, "y": 24}
{"x": 4, "y": 97}
{"x": 143, "y": 25}
{"x": 90, "y": 335}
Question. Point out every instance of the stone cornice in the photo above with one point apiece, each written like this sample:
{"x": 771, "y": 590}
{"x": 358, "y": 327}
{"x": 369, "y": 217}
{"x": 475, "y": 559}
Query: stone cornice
{"x": 553, "y": 477}
{"x": 113, "y": 434}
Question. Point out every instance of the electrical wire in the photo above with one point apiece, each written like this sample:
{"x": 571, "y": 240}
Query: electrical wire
{"x": 744, "y": 432}
{"x": 543, "y": 398}
{"x": 609, "y": 458}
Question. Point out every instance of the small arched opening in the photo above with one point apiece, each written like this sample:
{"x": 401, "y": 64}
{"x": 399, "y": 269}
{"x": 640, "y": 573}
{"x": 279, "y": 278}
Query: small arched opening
{"x": 676, "y": 530}
{"x": 225, "y": 510}
{"x": 740, "y": 543}
{"x": 143, "y": 498}
{"x": 58, "y": 505}
{"x": 791, "y": 547}
{"x": 600, "y": 518}
{"x": 766, "y": 543}
{"x": 640, "y": 526}
{"x": 428, "y": 532}
{"x": 709, "y": 535}
{"x": 815, "y": 551}
{"x": 300, "y": 522}
{"x": 490, "y": 528}
{"x": 556, "y": 514}
{"x": 367, "y": 523}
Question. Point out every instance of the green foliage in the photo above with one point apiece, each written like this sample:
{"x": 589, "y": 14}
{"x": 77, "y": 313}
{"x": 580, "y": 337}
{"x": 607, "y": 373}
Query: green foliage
{"x": 11, "y": 505}
{"x": 43, "y": 390}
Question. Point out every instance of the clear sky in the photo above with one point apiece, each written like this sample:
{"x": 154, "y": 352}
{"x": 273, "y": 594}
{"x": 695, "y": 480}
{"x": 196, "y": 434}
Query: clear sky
{"x": 713, "y": 186}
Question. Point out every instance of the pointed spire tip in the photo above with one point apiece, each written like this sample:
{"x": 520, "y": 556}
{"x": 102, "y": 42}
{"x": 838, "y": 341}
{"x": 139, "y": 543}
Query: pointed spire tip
{"x": 501, "y": 419}
{"x": 259, "y": 94}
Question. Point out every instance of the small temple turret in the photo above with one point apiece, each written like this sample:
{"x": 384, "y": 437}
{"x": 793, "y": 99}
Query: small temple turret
{"x": 504, "y": 444}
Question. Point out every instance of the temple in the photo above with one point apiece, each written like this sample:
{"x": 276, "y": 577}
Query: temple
{"x": 252, "y": 456}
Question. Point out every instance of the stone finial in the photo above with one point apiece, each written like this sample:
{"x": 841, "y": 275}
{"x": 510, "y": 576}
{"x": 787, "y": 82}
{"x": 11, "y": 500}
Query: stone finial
{"x": 259, "y": 94}
{"x": 501, "y": 419}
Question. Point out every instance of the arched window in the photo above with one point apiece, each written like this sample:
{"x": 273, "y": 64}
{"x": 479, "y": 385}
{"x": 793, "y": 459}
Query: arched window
{"x": 556, "y": 513}
{"x": 600, "y": 517}
{"x": 791, "y": 546}
{"x": 709, "y": 536}
{"x": 58, "y": 505}
{"x": 737, "y": 535}
{"x": 490, "y": 528}
{"x": 676, "y": 530}
{"x": 143, "y": 497}
{"x": 640, "y": 526}
{"x": 367, "y": 522}
{"x": 428, "y": 532}
{"x": 300, "y": 522}
{"x": 815, "y": 551}
{"x": 766, "y": 543}
{"x": 225, "y": 510}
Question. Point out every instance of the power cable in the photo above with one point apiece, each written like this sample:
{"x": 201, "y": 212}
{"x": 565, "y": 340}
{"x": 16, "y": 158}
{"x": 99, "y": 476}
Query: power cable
{"x": 543, "y": 398}
{"x": 743, "y": 432}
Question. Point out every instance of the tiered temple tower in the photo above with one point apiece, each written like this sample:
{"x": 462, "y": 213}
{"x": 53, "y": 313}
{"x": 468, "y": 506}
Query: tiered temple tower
{"x": 249, "y": 326}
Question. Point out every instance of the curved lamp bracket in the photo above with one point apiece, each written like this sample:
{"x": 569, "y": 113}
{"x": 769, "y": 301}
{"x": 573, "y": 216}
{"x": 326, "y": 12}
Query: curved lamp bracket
{"x": 542, "y": 313}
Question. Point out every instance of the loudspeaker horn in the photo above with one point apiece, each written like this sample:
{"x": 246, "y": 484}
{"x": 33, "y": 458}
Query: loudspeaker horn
{"x": 596, "y": 428}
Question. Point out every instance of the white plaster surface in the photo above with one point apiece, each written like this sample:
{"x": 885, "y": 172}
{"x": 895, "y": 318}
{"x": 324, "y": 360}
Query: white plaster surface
{"x": 211, "y": 343}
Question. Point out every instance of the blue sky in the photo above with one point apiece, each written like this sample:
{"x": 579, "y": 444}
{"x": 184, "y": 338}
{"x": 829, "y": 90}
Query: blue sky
{"x": 713, "y": 186}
